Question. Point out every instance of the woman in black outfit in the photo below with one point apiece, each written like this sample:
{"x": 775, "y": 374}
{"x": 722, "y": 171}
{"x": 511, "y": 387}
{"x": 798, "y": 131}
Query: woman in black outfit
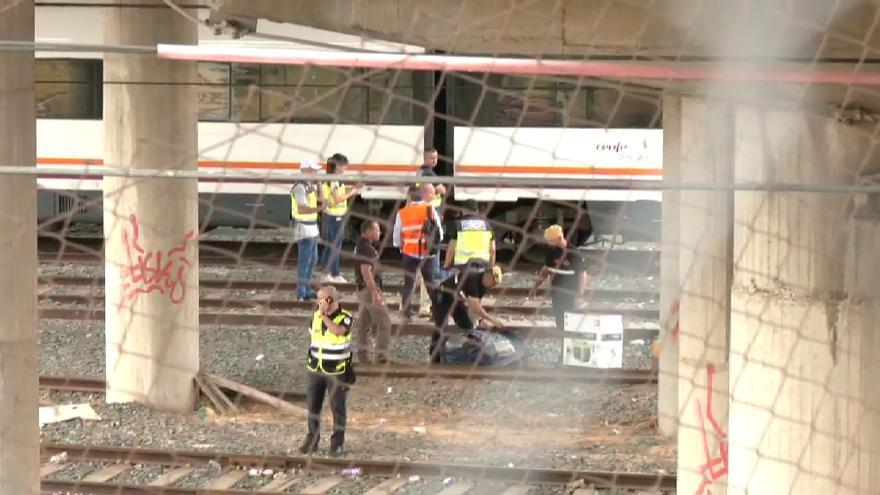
{"x": 567, "y": 273}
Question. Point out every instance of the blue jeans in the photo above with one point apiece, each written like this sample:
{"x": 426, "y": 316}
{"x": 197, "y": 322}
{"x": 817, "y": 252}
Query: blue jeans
{"x": 439, "y": 274}
{"x": 331, "y": 232}
{"x": 306, "y": 258}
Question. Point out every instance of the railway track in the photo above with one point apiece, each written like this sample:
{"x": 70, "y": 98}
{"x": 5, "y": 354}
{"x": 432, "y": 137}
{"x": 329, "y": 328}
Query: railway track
{"x": 231, "y": 471}
{"x": 608, "y": 295}
{"x": 300, "y": 321}
{"x": 269, "y": 304}
{"x": 278, "y": 253}
{"x": 406, "y": 370}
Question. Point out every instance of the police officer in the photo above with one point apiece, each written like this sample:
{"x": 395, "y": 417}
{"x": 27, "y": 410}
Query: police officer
{"x": 472, "y": 240}
{"x": 460, "y": 295}
{"x": 330, "y": 369}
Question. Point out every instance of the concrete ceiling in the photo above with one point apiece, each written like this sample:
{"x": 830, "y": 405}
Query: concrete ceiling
{"x": 618, "y": 28}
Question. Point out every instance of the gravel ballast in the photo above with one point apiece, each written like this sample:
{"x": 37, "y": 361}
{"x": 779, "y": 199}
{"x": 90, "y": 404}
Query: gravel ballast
{"x": 558, "y": 425}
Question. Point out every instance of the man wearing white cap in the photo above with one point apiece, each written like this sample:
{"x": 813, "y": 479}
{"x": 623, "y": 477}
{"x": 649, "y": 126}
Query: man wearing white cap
{"x": 304, "y": 208}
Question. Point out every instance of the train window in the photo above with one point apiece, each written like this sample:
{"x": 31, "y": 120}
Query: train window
{"x": 66, "y": 70}
{"x": 396, "y": 106}
{"x": 294, "y": 75}
{"x": 245, "y": 74}
{"x": 213, "y": 91}
{"x": 524, "y": 82}
{"x": 67, "y": 88}
{"x": 539, "y": 107}
{"x": 615, "y": 108}
{"x": 66, "y": 101}
{"x": 574, "y": 107}
{"x": 213, "y": 73}
{"x": 399, "y": 97}
{"x": 246, "y": 106}
{"x": 515, "y": 101}
{"x": 314, "y": 104}
{"x": 214, "y": 103}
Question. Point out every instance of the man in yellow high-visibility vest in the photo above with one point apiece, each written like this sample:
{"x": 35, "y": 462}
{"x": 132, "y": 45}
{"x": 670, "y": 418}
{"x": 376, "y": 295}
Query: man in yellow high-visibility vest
{"x": 335, "y": 196}
{"x": 304, "y": 208}
{"x": 472, "y": 239}
{"x": 330, "y": 369}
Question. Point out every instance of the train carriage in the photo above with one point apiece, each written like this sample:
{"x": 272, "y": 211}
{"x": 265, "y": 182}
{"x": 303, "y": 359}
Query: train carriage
{"x": 263, "y": 117}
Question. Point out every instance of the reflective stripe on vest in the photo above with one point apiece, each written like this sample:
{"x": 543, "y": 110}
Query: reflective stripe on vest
{"x": 329, "y": 353}
{"x": 312, "y": 202}
{"x": 412, "y": 221}
{"x": 334, "y": 208}
{"x": 473, "y": 241}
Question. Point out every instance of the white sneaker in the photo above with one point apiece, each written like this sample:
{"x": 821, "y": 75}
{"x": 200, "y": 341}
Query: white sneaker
{"x": 329, "y": 278}
{"x": 339, "y": 279}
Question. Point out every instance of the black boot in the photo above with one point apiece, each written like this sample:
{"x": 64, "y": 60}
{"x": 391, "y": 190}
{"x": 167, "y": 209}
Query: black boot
{"x": 309, "y": 445}
{"x": 336, "y": 450}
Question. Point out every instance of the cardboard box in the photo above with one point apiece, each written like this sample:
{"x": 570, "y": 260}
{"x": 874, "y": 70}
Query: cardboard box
{"x": 602, "y": 342}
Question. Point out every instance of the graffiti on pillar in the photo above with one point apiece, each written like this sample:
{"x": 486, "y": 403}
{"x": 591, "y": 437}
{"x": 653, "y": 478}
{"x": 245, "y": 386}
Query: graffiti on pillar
{"x": 715, "y": 467}
{"x": 153, "y": 271}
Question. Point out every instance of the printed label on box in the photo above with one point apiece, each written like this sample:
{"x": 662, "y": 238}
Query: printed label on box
{"x": 602, "y": 342}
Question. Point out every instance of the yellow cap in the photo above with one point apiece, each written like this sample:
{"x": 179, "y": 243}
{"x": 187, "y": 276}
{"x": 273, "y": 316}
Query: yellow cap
{"x": 656, "y": 348}
{"x": 552, "y": 232}
{"x": 496, "y": 274}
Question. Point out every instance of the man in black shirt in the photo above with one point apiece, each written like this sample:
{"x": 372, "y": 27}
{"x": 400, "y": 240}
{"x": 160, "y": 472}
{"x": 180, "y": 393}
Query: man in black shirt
{"x": 372, "y": 314}
{"x": 565, "y": 269}
{"x": 458, "y": 296}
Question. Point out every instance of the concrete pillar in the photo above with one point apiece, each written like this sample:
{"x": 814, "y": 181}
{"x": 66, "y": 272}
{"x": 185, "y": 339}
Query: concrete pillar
{"x": 670, "y": 288}
{"x": 704, "y": 269}
{"x": 19, "y": 431}
{"x": 150, "y": 225}
{"x": 804, "y": 350}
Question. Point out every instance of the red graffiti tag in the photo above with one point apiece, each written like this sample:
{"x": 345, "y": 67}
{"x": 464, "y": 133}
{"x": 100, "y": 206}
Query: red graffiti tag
{"x": 715, "y": 467}
{"x": 153, "y": 272}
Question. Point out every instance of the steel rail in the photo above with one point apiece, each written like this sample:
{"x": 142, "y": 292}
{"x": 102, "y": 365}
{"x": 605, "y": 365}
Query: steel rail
{"x": 600, "y": 479}
{"x": 300, "y": 321}
{"x": 111, "y": 488}
{"x": 239, "y": 251}
{"x": 290, "y": 286}
{"x": 262, "y": 304}
{"x": 88, "y": 384}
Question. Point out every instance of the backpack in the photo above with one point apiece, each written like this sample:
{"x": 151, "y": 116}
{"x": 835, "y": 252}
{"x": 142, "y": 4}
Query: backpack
{"x": 431, "y": 233}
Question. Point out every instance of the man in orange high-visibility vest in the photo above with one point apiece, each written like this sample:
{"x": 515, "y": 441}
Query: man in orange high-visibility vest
{"x": 414, "y": 232}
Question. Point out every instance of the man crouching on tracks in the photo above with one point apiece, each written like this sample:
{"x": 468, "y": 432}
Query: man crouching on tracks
{"x": 461, "y": 295}
{"x": 330, "y": 369}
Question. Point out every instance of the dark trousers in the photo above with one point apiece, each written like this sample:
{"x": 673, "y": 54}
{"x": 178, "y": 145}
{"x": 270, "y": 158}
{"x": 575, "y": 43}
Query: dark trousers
{"x": 563, "y": 299}
{"x": 446, "y": 305}
{"x": 320, "y": 385}
{"x": 411, "y": 266}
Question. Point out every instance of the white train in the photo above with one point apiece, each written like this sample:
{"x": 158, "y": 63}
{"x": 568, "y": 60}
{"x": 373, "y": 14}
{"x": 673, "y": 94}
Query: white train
{"x": 70, "y": 132}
